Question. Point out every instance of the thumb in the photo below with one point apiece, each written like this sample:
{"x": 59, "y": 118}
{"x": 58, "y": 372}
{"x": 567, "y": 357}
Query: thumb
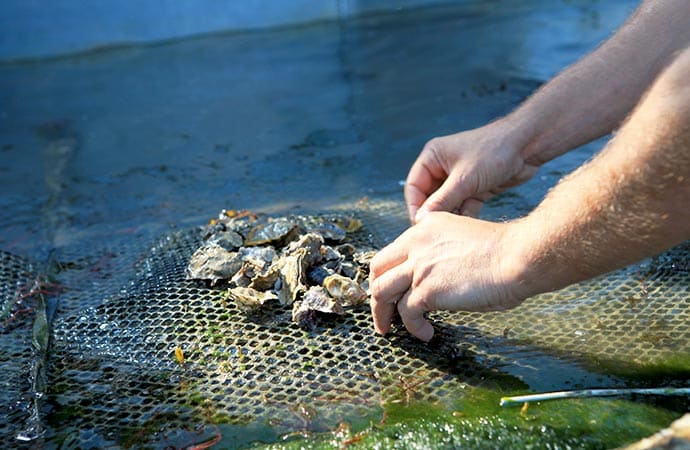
{"x": 448, "y": 197}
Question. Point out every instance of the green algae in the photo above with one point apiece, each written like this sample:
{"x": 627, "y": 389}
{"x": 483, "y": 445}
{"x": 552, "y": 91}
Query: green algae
{"x": 477, "y": 422}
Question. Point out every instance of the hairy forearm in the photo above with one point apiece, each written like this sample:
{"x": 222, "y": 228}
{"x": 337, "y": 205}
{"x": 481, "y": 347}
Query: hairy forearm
{"x": 629, "y": 202}
{"x": 592, "y": 97}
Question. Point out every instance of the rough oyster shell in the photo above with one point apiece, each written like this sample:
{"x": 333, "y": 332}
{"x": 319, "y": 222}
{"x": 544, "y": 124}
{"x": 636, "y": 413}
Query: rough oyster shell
{"x": 315, "y": 300}
{"x": 250, "y": 298}
{"x": 266, "y": 280}
{"x": 276, "y": 231}
{"x": 345, "y": 290}
{"x": 213, "y": 262}
{"x": 312, "y": 243}
{"x": 227, "y": 239}
{"x": 292, "y": 280}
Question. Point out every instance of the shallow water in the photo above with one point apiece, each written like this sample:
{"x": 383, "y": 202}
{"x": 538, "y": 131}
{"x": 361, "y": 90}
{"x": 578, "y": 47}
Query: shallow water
{"x": 123, "y": 139}
{"x": 123, "y": 144}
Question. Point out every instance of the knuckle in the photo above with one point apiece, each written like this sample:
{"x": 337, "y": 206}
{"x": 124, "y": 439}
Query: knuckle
{"x": 375, "y": 268}
{"x": 432, "y": 145}
{"x": 376, "y": 290}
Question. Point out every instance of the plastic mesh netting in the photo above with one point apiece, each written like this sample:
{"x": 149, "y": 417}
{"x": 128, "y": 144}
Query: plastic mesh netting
{"x": 114, "y": 378}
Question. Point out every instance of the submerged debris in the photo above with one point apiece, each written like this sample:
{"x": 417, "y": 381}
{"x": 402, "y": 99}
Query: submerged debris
{"x": 303, "y": 261}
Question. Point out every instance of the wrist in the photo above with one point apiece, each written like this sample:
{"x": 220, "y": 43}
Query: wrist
{"x": 529, "y": 265}
{"x": 519, "y": 130}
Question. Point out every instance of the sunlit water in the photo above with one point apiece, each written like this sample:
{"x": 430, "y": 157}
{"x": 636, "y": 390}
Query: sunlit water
{"x": 124, "y": 139}
{"x": 123, "y": 144}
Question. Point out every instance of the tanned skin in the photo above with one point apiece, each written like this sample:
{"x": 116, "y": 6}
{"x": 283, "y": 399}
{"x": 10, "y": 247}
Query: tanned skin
{"x": 629, "y": 202}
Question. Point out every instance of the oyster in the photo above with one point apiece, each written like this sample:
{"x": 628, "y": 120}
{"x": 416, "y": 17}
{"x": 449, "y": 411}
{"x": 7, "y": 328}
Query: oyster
{"x": 312, "y": 243}
{"x": 250, "y": 298}
{"x": 317, "y": 274}
{"x": 329, "y": 230}
{"x": 276, "y": 231}
{"x": 315, "y": 300}
{"x": 258, "y": 256}
{"x": 212, "y": 262}
{"x": 363, "y": 261}
{"x": 266, "y": 280}
{"x": 292, "y": 276}
{"x": 329, "y": 253}
{"x": 345, "y": 290}
{"x": 227, "y": 239}
{"x": 348, "y": 269}
{"x": 364, "y": 258}
{"x": 244, "y": 276}
{"x": 346, "y": 249}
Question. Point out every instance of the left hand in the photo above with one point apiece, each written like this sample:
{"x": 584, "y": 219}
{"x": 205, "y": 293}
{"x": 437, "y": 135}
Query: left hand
{"x": 445, "y": 262}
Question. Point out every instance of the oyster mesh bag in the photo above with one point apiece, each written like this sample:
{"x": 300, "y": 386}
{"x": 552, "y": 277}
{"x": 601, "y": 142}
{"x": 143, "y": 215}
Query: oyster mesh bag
{"x": 142, "y": 356}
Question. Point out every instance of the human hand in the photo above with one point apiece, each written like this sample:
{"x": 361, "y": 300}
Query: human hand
{"x": 459, "y": 172}
{"x": 445, "y": 262}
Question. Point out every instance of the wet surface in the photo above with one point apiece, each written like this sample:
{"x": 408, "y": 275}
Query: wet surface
{"x": 133, "y": 140}
{"x": 102, "y": 153}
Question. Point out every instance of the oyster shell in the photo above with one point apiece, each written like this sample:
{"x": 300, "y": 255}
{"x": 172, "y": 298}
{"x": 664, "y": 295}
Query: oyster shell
{"x": 348, "y": 269}
{"x": 364, "y": 258}
{"x": 317, "y": 274}
{"x": 227, "y": 239}
{"x": 346, "y": 249}
{"x": 345, "y": 290}
{"x": 259, "y": 256}
{"x": 266, "y": 280}
{"x": 256, "y": 264}
{"x": 312, "y": 243}
{"x": 292, "y": 280}
{"x": 315, "y": 300}
{"x": 276, "y": 231}
{"x": 250, "y": 298}
{"x": 212, "y": 262}
{"x": 329, "y": 230}
{"x": 329, "y": 253}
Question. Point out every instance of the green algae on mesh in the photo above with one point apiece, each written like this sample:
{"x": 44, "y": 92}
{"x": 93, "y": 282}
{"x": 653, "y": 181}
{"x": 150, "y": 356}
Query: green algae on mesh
{"x": 673, "y": 365}
{"x": 477, "y": 422}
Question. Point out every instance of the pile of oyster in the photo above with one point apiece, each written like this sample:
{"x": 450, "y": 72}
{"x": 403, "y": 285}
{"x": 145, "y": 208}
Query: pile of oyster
{"x": 303, "y": 261}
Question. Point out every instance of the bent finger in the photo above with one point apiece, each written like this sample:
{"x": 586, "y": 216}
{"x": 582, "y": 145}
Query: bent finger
{"x": 414, "y": 199}
{"x": 382, "y": 312}
{"x": 425, "y": 176}
{"x": 412, "y": 311}
{"x": 393, "y": 283}
{"x": 389, "y": 257}
{"x": 471, "y": 207}
{"x": 448, "y": 197}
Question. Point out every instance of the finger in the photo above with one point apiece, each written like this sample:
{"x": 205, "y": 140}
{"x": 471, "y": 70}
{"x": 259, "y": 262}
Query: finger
{"x": 472, "y": 206}
{"x": 388, "y": 257}
{"x": 392, "y": 284}
{"x": 386, "y": 290}
{"x": 412, "y": 311}
{"x": 414, "y": 198}
{"x": 382, "y": 312}
{"x": 448, "y": 197}
{"x": 419, "y": 185}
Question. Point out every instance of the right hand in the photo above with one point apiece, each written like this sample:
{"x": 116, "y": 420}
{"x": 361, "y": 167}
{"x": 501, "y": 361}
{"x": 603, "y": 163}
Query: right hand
{"x": 446, "y": 262}
{"x": 459, "y": 172}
